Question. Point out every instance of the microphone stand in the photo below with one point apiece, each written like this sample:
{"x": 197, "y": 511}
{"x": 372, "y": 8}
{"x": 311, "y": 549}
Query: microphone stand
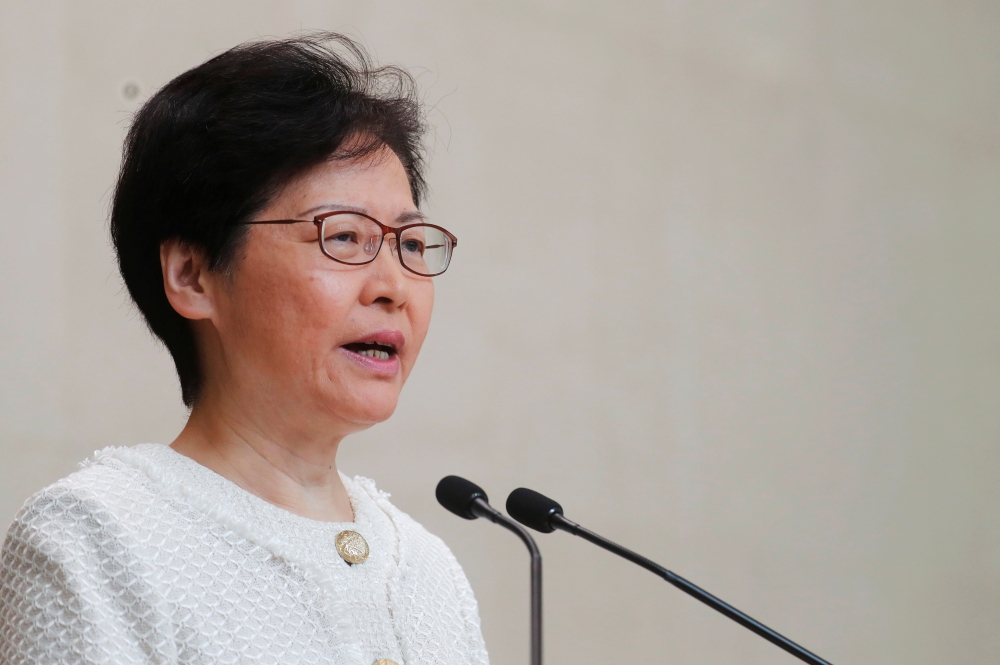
{"x": 483, "y": 509}
{"x": 560, "y": 522}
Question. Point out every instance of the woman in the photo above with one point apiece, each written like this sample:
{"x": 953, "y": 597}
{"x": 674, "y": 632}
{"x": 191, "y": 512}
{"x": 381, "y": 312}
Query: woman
{"x": 267, "y": 226}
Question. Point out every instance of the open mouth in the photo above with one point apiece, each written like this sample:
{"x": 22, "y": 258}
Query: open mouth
{"x": 372, "y": 350}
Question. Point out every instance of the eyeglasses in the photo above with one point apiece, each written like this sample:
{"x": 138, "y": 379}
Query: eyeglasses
{"x": 355, "y": 239}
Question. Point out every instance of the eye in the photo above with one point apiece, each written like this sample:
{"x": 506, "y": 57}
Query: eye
{"x": 343, "y": 237}
{"x": 412, "y": 246}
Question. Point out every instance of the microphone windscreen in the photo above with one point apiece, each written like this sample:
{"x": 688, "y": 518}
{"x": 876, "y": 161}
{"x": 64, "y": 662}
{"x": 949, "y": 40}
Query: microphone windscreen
{"x": 457, "y": 494}
{"x": 533, "y": 509}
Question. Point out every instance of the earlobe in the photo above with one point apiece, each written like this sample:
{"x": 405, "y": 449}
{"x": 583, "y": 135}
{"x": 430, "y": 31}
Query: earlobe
{"x": 186, "y": 280}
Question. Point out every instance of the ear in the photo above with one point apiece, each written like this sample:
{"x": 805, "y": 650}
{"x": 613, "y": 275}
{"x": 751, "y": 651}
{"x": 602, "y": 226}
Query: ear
{"x": 187, "y": 280}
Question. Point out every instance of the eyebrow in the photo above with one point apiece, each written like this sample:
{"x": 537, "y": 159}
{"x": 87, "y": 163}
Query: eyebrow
{"x": 403, "y": 218}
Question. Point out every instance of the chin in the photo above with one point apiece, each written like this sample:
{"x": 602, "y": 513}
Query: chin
{"x": 366, "y": 411}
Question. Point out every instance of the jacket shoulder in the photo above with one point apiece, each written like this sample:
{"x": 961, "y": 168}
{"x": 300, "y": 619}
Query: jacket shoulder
{"x": 91, "y": 504}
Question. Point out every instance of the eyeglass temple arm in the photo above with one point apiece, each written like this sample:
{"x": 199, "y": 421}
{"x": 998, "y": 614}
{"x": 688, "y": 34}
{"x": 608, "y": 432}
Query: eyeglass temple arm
{"x": 454, "y": 240}
{"x": 283, "y": 221}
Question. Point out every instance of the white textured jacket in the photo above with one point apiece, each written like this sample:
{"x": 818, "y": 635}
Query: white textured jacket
{"x": 145, "y": 556}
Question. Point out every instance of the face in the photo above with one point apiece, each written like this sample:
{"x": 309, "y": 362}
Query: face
{"x": 327, "y": 343}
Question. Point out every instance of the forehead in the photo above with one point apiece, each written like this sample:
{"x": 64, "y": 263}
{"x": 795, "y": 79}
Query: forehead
{"x": 375, "y": 183}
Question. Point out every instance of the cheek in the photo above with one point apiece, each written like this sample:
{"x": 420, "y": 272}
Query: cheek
{"x": 420, "y": 308}
{"x": 289, "y": 316}
{"x": 323, "y": 301}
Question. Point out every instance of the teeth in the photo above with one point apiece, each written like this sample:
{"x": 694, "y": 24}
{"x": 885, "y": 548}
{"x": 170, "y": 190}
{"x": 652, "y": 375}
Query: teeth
{"x": 375, "y": 353}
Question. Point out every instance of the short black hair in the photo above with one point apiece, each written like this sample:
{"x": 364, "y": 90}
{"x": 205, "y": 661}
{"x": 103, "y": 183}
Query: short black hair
{"x": 213, "y": 146}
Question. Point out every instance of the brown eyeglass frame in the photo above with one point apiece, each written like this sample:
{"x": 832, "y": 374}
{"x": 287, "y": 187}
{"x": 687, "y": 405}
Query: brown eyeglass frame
{"x": 386, "y": 230}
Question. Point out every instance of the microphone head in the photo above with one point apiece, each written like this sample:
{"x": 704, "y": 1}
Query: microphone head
{"x": 457, "y": 494}
{"x": 532, "y": 509}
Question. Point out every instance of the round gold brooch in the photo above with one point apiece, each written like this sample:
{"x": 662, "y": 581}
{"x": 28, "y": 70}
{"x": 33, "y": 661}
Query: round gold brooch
{"x": 384, "y": 661}
{"x": 352, "y": 547}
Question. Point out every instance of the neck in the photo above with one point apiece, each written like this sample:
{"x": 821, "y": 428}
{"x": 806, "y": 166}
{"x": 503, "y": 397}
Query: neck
{"x": 294, "y": 471}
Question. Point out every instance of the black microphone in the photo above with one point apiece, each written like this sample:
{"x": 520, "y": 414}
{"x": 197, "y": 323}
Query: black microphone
{"x": 543, "y": 514}
{"x": 468, "y": 500}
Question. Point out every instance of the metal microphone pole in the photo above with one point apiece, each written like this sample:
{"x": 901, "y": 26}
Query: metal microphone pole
{"x": 542, "y": 513}
{"x": 469, "y": 501}
{"x": 487, "y": 511}
{"x": 691, "y": 589}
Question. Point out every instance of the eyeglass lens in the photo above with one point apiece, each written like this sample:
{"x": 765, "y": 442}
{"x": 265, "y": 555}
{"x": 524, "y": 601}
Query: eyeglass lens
{"x": 355, "y": 240}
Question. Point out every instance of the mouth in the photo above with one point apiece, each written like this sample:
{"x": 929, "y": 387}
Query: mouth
{"x": 378, "y": 351}
{"x": 373, "y": 350}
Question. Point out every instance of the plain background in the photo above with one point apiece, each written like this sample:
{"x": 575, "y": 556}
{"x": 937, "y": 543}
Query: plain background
{"x": 727, "y": 287}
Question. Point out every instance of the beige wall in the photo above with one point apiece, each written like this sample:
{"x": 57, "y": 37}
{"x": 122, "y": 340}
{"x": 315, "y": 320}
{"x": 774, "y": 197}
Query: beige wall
{"x": 752, "y": 332}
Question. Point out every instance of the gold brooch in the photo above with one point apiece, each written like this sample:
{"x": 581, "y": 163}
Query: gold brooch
{"x": 352, "y": 547}
{"x": 384, "y": 661}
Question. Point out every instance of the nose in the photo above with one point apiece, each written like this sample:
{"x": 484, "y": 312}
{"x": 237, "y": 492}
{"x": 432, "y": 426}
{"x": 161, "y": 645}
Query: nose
{"x": 386, "y": 283}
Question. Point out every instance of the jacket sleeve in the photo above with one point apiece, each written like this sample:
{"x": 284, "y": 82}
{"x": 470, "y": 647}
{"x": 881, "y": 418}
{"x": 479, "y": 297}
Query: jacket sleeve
{"x": 72, "y": 591}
